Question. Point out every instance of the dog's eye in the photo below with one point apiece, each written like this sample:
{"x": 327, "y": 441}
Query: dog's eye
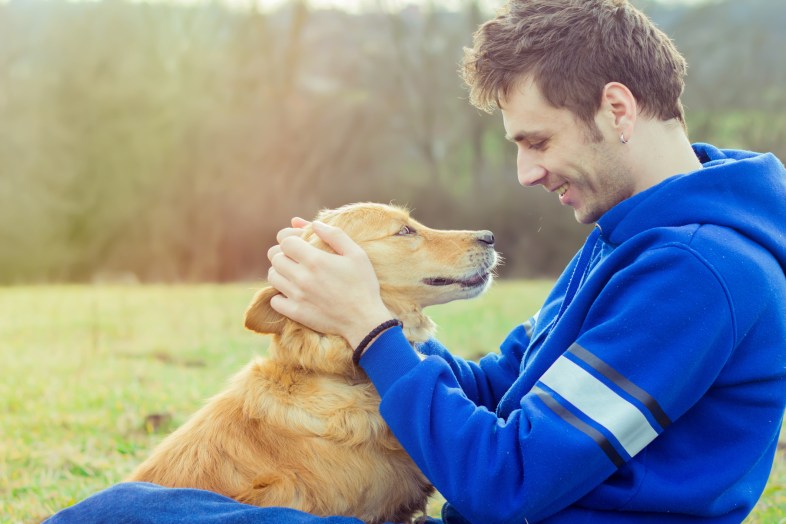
{"x": 405, "y": 230}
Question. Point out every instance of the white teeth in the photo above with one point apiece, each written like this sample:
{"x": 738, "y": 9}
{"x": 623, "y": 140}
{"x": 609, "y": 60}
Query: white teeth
{"x": 561, "y": 190}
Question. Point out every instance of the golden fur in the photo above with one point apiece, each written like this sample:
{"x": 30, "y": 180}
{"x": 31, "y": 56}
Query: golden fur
{"x": 301, "y": 428}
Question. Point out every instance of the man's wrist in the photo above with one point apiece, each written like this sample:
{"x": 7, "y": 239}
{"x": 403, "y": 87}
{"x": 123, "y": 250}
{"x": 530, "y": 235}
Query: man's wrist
{"x": 369, "y": 323}
{"x": 371, "y": 337}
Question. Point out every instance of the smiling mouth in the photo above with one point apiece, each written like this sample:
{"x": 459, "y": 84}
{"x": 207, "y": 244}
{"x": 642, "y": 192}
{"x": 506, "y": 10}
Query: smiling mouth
{"x": 474, "y": 281}
{"x": 561, "y": 190}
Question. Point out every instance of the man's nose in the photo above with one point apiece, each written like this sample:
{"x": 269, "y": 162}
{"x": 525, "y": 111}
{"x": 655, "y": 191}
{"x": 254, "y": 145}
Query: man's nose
{"x": 529, "y": 172}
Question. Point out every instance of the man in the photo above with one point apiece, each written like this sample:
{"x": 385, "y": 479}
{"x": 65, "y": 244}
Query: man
{"x": 651, "y": 385}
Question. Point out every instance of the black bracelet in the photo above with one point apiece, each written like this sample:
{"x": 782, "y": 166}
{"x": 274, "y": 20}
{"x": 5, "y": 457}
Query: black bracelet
{"x": 374, "y": 332}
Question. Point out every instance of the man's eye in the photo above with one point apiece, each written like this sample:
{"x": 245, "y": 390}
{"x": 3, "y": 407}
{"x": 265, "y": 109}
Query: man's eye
{"x": 538, "y": 146}
{"x": 405, "y": 230}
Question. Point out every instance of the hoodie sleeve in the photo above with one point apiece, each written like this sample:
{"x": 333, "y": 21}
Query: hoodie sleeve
{"x": 652, "y": 343}
{"x": 486, "y": 381}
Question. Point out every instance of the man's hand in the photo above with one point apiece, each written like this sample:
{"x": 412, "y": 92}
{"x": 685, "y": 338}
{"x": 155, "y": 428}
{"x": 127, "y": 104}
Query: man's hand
{"x": 330, "y": 293}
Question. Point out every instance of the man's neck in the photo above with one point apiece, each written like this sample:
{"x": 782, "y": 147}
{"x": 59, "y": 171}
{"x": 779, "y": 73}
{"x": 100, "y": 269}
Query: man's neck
{"x": 662, "y": 150}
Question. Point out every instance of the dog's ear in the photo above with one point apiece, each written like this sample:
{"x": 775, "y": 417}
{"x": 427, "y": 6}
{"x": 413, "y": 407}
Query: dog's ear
{"x": 262, "y": 318}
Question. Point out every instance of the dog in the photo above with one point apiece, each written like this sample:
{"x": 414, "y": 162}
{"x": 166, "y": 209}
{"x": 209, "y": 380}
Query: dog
{"x": 301, "y": 427}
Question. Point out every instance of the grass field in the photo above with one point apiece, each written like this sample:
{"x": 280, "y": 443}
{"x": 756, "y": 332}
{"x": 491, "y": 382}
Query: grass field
{"x": 94, "y": 376}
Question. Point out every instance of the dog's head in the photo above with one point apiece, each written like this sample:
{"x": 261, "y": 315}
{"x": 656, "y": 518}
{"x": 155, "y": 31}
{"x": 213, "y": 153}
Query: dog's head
{"x": 416, "y": 266}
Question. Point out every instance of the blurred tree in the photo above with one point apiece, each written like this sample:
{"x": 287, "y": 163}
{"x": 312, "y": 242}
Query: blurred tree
{"x": 172, "y": 141}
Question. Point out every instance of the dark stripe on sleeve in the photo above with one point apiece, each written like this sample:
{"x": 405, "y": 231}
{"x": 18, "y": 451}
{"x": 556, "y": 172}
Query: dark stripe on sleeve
{"x": 579, "y": 424}
{"x": 623, "y": 383}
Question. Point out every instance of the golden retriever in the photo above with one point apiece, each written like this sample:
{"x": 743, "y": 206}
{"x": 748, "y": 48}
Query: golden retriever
{"x": 301, "y": 428}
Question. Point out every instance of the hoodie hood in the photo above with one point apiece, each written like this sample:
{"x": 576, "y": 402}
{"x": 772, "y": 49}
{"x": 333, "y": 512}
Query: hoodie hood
{"x": 741, "y": 190}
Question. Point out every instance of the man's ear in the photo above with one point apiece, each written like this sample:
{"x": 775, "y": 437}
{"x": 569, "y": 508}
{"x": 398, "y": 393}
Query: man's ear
{"x": 620, "y": 109}
{"x": 262, "y": 318}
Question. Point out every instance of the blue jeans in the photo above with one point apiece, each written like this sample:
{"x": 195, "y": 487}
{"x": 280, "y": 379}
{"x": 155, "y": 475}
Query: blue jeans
{"x": 143, "y": 503}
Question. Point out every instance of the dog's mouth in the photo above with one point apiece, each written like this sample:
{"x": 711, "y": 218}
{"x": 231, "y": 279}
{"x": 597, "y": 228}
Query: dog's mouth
{"x": 479, "y": 279}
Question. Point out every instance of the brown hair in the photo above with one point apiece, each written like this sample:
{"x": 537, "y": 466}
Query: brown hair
{"x": 572, "y": 49}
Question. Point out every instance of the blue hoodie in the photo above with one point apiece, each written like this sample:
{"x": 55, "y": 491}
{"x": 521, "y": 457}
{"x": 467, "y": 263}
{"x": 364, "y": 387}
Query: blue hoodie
{"x": 650, "y": 386}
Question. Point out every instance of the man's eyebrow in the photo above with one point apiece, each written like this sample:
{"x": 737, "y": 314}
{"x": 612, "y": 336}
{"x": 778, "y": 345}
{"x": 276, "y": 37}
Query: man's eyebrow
{"x": 534, "y": 136}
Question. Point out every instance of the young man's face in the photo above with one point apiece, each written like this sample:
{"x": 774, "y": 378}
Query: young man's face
{"x": 557, "y": 151}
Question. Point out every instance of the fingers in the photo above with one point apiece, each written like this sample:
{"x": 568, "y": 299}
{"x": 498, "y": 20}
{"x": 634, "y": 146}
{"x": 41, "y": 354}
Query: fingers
{"x": 336, "y": 238}
{"x": 302, "y": 252}
{"x": 286, "y": 307}
{"x": 292, "y": 263}
{"x": 292, "y": 246}
{"x": 299, "y": 222}
{"x": 272, "y": 252}
{"x": 288, "y": 232}
{"x": 279, "y": 303}
{"x": 283, "y": 275}
{"x": 296, "y": 230}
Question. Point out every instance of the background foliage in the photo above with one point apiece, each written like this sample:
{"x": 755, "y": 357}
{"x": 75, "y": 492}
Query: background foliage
{"x": 163, "y": 142}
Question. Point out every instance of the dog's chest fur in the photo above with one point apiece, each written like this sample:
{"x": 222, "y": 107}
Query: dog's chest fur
{"x": 338, "y": 445}
{"x": 285, "y": 435}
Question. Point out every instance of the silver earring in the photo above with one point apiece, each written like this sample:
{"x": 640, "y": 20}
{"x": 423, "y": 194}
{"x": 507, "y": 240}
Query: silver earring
{"x": 622, "y": 138}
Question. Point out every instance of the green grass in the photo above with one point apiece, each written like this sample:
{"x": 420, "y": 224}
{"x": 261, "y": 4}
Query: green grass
{"x": 85, "y": 367}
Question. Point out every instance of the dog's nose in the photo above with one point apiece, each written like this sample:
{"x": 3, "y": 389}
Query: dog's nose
{"x": 487, "y": 237}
